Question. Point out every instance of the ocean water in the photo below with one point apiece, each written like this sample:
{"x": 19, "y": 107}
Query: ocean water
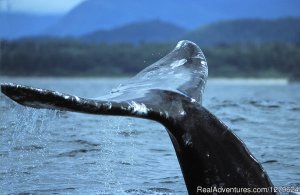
{"x": 52, "y": 152}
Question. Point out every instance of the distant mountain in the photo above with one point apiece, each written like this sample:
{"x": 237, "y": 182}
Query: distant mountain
{"x": 151, "y": 31}
{"x": 247, "y": 30}
{"x": 225, "y": 32}
{"x": 92, "y": 15}
{"x": 16, "y": 25}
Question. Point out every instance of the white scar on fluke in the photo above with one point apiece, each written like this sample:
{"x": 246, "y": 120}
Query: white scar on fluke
{"x": 138, "y": 108}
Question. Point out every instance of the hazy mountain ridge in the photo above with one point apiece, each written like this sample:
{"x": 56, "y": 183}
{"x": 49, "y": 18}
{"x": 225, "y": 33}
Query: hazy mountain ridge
{"x": 92, "y": 15}
{"x": 151, "y": 31}
{"x": 246, "y": 31}
{"x": 286, "y": 30}
{"x": 95, "y": 15}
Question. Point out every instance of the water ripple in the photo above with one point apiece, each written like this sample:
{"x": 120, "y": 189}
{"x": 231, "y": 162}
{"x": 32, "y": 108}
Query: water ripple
{"x": 75, "y": 153}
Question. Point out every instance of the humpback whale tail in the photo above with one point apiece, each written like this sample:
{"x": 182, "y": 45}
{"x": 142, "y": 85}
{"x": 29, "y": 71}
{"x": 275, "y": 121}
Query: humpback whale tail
{"x": 169, "y": 92}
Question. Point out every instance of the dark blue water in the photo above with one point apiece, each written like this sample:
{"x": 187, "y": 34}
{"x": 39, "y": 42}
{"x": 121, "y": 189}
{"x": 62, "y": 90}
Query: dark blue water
{"x": 48, "y": 152}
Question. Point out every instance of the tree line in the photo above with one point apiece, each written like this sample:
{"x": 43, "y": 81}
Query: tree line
{"x": 68, "y": 57}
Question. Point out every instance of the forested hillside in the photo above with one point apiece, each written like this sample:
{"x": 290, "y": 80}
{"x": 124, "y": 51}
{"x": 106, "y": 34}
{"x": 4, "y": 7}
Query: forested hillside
{"x": 241, "y": 48}
{"x": 67, "y": 57}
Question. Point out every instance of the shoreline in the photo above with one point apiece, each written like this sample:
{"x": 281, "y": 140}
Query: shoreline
{"x": 249, "y": 81}
{"x": 213, "y": 80}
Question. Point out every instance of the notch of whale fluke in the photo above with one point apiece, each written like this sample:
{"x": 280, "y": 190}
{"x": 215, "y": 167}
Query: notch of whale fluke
{"x": 169, "y": 92}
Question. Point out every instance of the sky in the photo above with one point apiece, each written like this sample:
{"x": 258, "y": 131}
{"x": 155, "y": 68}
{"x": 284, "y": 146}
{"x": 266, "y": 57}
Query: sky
{"x": 39, "y": 6}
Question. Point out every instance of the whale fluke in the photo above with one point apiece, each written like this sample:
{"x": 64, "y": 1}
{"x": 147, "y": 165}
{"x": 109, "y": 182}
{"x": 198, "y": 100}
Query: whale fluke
{"x": 169, "y": 92}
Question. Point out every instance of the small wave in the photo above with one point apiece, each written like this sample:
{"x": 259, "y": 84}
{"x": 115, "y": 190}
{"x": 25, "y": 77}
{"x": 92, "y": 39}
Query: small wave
{"x": 47, "y": 191}
{"x": 124, "y": 163}
{"x": 2, "y": 128}
{"x": 158, "y": 150}
{"x": 150, "y": 191}
{"x": 84, "y": 142}
{"x": 160, "y": 190}
{"x": 75, "y": 153}
{"x": 217, "y": 104}
{"x": 264, "y": 104}
{"x": 228, "y": 103}
{"x": 129, "y": 133}
{"x": 237, "y": 119}
{"x": 269, "y": 161}
{"x": 175, "y": 177}
{"x": 136, "y": 191}
{"x": 4, "y": 153}
{"x": 295, "y": 109}
{"x": 167, "y": 182}
{"x": 90, "y": 163}
{"x": 3, "y": 108}
{"x": 28, "y": 148}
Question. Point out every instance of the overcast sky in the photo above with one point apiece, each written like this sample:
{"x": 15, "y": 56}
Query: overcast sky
{"x": 38, "y": 6}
